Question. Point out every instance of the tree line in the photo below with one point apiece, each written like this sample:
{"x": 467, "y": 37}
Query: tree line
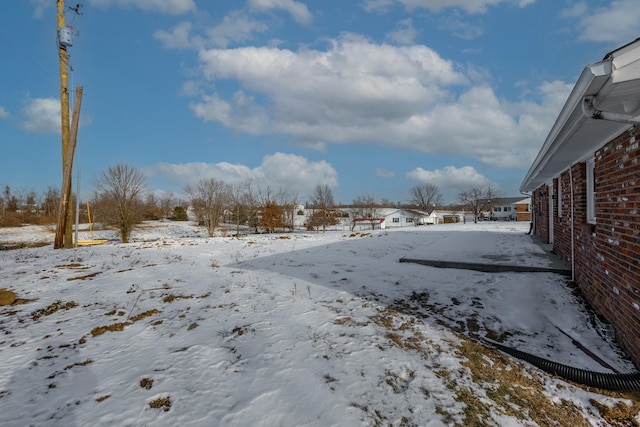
{"x": 120, "y": 199}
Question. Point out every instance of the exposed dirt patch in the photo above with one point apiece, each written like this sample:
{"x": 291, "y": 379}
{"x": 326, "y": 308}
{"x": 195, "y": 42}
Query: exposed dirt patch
{"x": 58, "y": 305}
{"x": 116, "y": 327}
{"x": 9, "y": 246}
{"x": 147, "y": 313}
{"x": 146, "y": 383}
{"x": 161, "y": 402}
{"x": 74, "y": 266}
{"x": 171, "y": 297}
{"x": 85, "y": 277}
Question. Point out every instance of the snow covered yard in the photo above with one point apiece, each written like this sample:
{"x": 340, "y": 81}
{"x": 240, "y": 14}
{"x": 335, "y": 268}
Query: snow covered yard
{"x": 295, "y": 330}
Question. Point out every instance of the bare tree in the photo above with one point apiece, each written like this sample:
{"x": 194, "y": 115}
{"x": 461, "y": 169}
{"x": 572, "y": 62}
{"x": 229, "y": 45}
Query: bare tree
{"x": 322, "y": 203}
{"x": 251, "y": 202}
{"x": 425, "y": 196}
{"x": 478, "y": 199}
{"x": 237, "y": 209}
{"x": 151, "y": 208}
{"x": 364, "y": 208}
{"x": 209, "y": 198}
{"x": 120, "y": 189}
{"x": 50, "y": 204}
{"x": 167, "y": 205}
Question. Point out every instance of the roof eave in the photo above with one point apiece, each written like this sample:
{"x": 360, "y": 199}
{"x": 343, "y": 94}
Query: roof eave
{"x": 604, "y": 102}
{"x": 593, "y": 78}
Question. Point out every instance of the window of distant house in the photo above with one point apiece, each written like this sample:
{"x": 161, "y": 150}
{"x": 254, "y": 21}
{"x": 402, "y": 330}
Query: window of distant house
{"x": 497, "y": 209}
{"x": 396, "y": 219}
{"x": 591, "y": 191}
{"x": 507, "y": 208}
{"x": 409, "y": 219}
{"x": 528, "y": 208}
{"x": 559, "y": 195}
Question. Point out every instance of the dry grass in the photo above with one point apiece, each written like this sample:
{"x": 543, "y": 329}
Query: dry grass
{"x": 116, "y": 327}
{"x": 171, "y": 297}
{"x": 146, "y": 383}
{"x": 513, "y": 390}
{"x": 56, "y": 306}
{"x": 147, "y": 313}
{"x": 85, "y": 277}
{"x": 161, "y": 402}
{"x": 503, "y": 386}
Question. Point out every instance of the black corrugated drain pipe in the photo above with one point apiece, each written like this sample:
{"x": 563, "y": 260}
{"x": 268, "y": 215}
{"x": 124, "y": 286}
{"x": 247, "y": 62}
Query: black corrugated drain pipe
{"x": 601, "y": 380}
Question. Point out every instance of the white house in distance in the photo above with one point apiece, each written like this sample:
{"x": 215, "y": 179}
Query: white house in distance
{"x": 510, "y": 209}
{"x": 396, "y": 218}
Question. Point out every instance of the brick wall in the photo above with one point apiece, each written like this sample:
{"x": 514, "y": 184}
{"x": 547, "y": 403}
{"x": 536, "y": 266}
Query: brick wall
{"x": 607, "y": 253}
{"x": 617, "y": 236}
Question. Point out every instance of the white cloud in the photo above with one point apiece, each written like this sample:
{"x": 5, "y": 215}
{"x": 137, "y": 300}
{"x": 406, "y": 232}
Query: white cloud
{"x": 360, "y": 92}
{"x": 178, "y": 38}
{"x": 616, "y": 23}
{"x": 383, "y": 173}
{"x": 451, "y": 178}
{"x": 171, "y": 7}
{"x": 40, "y": 6}
{"x": 297, "y": 10}
{"x": 469, "y": 6}
{"x": 405, "y": 34}
{"x": 461, "y": 29}
{"x": 41, "y": 115}
{"x": 4, "y": 114}
{"x": 235, "y": 27}
{"x": 312, "y": 92}
{"x": 279, "y": 170}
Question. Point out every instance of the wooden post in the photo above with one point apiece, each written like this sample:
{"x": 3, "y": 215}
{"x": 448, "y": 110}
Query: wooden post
{"x": 65, "y": 192}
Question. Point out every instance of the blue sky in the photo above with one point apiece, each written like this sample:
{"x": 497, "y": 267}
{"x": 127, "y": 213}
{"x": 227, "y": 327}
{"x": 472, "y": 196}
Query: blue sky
{"x": 370, "y": 97}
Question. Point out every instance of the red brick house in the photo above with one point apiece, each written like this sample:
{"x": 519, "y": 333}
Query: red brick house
{"x": 585, "y": 189}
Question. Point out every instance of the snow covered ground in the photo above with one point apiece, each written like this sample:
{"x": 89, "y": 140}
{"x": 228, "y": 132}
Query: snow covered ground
{"x": 300, "y": 329}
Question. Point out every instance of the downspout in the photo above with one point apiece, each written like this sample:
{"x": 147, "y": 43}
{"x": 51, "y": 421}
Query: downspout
{"x": 590, "y": 111}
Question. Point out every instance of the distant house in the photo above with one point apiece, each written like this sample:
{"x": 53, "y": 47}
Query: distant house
{"x": 451, "y": 217}
{"x": 400, "y": 217}
{"x": 511, "y": 209}
{"x": 585, "y": 186}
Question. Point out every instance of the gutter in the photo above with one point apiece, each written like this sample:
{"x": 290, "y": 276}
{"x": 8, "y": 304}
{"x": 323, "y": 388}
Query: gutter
{"x": 590, "y": 111}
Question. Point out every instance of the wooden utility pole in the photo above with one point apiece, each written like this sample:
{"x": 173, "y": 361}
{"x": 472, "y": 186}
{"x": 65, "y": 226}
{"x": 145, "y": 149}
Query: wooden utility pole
{"x": 65, "y": 192}
{"x": 64, "y": 114}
